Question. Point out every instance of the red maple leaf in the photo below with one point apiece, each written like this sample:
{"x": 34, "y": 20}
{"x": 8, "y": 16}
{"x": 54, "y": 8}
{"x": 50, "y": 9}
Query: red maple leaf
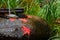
{"x": 23, "y": 20}
{"x": 12, "y": 19}
{"x": 28, "y": 16}
{"x": 26, "y": 30}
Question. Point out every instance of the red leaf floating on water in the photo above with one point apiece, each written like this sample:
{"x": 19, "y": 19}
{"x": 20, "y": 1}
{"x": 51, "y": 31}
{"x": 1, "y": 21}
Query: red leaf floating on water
{"x": 12, "y": 19}
{"x": 28, "y": 16}
{"x": 26, "y": 30}
{"x": 23, "y": 20}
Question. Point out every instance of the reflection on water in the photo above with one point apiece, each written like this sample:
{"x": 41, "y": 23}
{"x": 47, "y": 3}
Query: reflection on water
{"x": 9, "y": 6}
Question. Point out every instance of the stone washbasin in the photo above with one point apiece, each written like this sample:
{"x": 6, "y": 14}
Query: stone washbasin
{"x": 12, "y": 29}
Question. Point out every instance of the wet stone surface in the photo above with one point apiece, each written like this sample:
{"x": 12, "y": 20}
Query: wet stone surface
{"x": 11, "y": 28}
